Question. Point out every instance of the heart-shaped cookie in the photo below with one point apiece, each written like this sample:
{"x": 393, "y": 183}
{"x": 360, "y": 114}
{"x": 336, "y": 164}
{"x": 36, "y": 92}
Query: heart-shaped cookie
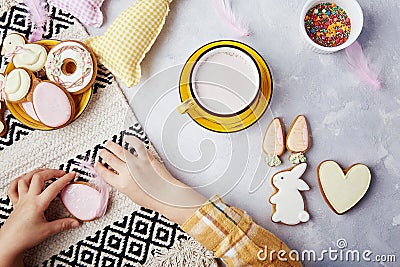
{"x": 343, "y": 189}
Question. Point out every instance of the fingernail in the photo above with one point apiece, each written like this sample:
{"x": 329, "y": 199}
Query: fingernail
{"x": 75, "y": 224}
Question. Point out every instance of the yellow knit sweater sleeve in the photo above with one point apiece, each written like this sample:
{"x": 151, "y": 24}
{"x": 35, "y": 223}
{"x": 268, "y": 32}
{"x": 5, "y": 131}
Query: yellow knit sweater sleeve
{"x": 233, "y": 236}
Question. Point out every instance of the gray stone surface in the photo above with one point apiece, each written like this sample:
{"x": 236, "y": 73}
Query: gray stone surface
{"x": 350, "y": 123}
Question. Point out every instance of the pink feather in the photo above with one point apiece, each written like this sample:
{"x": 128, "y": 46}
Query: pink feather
{"x": 225, "y": 9}
{"x": 357, "y": 59}
{"x": 38, "y": 17}
{"x": 103, "y": 187}
{"x": 37, "y": 34}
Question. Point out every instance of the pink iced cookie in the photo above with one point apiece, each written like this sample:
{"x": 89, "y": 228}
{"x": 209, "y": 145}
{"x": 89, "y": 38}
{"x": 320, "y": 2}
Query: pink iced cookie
{"x": 53, "y": 105}
{"x": 28, "y": 107}
{"x": 83, "y": 201}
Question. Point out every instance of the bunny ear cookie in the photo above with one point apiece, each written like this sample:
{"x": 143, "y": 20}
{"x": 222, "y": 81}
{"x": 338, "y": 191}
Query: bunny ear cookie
{"x": 298, "y": 140}
{"x": 274, "y": 143}
{"x": 287, "y": 201}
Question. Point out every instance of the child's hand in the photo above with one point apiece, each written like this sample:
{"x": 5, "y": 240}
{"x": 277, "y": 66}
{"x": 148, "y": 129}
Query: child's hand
{"x": 27, "y": 225}
{"x": 117, "y": 157}
{"x": 146, "y": 181}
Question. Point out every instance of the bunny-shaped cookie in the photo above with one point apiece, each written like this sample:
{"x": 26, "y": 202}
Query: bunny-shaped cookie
{"x": 288, "y": 203}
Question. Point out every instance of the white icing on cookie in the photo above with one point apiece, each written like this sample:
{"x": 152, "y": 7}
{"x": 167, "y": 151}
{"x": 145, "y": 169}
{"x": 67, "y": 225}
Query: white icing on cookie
{"x": 71, "y": 65}
{"x": 30, "y": 56}
{"x": 288, "y": 202}
{"x": 343, "y": 191}
{"x": 18, "y": 84}
{"x": 12, "y": 45}
{"x": 396, "y": 220}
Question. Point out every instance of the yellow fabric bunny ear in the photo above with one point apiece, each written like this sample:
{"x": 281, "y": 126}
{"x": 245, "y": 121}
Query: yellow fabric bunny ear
{"x": 125, "y": 43}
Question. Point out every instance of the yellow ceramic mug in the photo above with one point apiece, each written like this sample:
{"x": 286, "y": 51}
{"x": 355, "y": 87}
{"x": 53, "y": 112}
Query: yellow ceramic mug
{"x": 186, "y": 106}
{"x": 225, "y": 86}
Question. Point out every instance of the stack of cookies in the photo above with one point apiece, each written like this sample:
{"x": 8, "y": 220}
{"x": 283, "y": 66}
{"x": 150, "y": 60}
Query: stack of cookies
{"x": 46, "y": 80}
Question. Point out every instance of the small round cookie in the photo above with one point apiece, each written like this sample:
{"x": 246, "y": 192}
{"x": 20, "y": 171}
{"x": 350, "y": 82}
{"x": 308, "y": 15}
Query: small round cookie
{"x": 53, "y": 105}
{"x": 3, "y": 125}
{"x": 72, "y": 65}
{"x": 82, "y": 200}
{"x": 24, "y": 55}
{"x": 17, "y": 85}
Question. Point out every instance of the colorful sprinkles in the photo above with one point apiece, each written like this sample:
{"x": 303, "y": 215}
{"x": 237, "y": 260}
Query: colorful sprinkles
{"x": 327, "y": 24}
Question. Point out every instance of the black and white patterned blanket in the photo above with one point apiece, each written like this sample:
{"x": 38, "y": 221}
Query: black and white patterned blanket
{"x": 131, "y": 240}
